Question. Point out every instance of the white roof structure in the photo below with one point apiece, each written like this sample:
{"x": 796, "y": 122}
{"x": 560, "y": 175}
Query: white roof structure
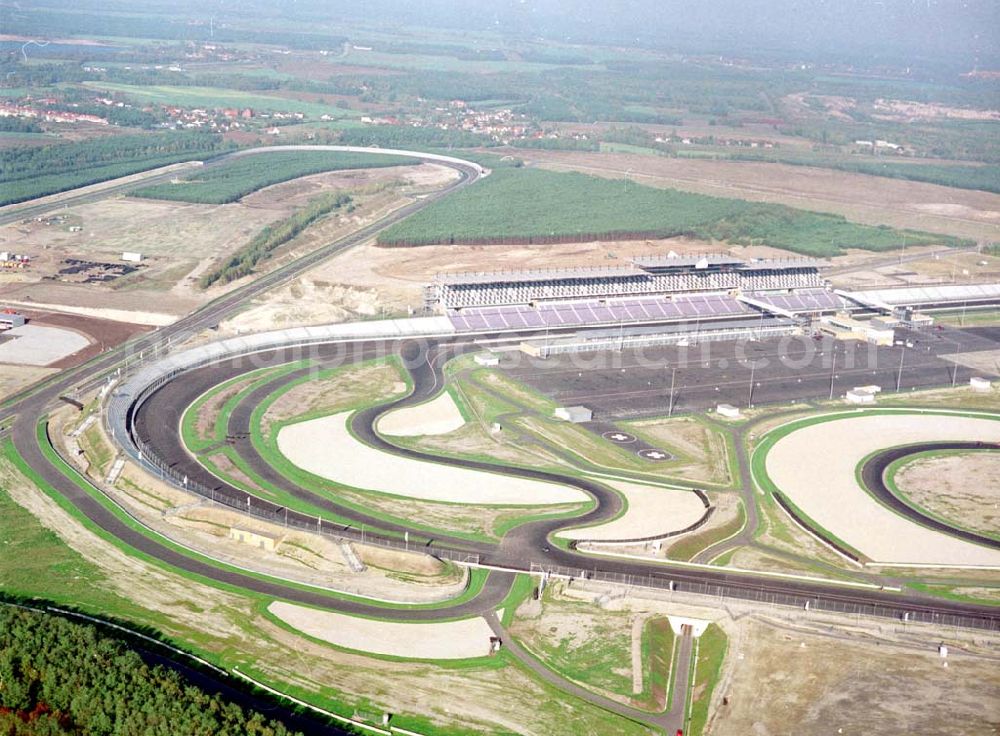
{"x": 909, "y": 295}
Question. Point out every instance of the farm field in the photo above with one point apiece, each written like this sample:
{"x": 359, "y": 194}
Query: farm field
{"x": 237, "y": 178}
{"x": 871, "y": 200}
{"x": 538, "y": 206}
{"x": 217, "y": 97}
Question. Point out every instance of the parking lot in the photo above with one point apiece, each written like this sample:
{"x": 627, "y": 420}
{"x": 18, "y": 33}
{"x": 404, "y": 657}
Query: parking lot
{"x": 637, "y": 382}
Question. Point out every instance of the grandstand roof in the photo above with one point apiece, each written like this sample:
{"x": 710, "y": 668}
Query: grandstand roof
{"x": 778, "y": 264}
{"x": 547, "y": 274}
{"x": 928, "y": 294}
{"x": 675, "y": 261}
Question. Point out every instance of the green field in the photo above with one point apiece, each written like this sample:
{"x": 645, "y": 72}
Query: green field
{"x": 241, "y": 176}
{"x": 709, "y": 657}
{"x": 217, "y": 97}
{"x": 536, "y": 206}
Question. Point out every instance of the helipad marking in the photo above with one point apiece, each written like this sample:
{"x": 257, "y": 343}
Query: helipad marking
{"x": 622, "y": 438}
{"x": 653, "y": 454}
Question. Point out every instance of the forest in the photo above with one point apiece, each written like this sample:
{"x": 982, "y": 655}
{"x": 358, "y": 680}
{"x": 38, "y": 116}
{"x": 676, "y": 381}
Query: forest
{"x": 29, "y": 172}
{"x": 520, "y": 205}
{"x": 59, "y": 677}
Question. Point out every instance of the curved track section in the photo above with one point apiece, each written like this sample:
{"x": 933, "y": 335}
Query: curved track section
{"x": 873, "y": 476}
{"x": 527, "y": 547}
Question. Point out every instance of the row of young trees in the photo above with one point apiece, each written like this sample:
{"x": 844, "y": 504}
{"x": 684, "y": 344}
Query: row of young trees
{"x": 272, "y": 237}
{"x": 60, "y": 677}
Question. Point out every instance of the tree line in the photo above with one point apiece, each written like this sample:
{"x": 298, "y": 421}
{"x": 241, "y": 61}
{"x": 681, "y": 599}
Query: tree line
{"x": 272, "y": 237}
{"x": 59, "y": 677}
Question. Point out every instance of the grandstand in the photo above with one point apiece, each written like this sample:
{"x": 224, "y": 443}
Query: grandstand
{"x": 644, "y": 277}
{"x": 650, "y": 289}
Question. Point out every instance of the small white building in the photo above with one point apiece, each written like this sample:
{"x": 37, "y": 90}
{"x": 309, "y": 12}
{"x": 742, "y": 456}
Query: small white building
{"x": 489, "y": 360}
{"x": 728, "y": 410}
{"x": 862, "y": 395}
{"x": 261, "y": 540}
{"x": 574, "y": 414}
{"x": 132, "y": 257}
{"x": 980, "y": 385}
{"x": 10, "y": 319}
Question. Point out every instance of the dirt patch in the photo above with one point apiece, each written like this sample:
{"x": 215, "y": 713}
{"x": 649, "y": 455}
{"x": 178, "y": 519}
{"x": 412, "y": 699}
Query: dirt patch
{"x": 14, "y": 378}
{"x": 508, "y": 446}
{"x": 208, "y": 412}
{"x": 824, "y": 685}
{"x": 964, "y": 489}
{"x": 376, "y": 383}
{"x": 181, "y": 241}
{"x": 703, "y": 451}
{"x": 103, "y": 333}
{"x": 447, "y": 517}
{"x": 228, "y": 469}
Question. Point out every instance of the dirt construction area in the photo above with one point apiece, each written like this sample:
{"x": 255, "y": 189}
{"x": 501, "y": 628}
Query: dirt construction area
{"x": 76, "y": 255}
{"x": 963, "y": 488}
{"x": 790, "y": 681}
{"x": 325, "y": 447}
{"x": 866, "y": 199}
{"x": 833, "y": 449}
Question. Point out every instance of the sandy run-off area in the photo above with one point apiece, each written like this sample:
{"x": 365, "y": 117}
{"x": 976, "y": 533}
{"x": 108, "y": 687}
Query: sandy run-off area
{"x": 651, "y": 512}
{"x": 438, "y": 416}
{"x": 460, "y": 639}
{"x": 815, "y": 467}
{"x": 326, "y": 448}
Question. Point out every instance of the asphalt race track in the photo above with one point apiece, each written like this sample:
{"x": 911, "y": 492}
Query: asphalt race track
{"x": 526, "y": 548}
{"x": 873, "y": 477}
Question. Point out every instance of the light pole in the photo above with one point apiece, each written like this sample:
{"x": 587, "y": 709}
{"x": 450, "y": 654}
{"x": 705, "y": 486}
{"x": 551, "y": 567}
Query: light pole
{"x": 673, "y": 376}
{"x": 753, "y": 368}
{"x": 899, "y": 374}
{"x": 833, "y": 368}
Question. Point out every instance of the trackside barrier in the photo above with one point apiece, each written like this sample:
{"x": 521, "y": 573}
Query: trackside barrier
{"x": 133, "y": 391}
{"x": 283, "y": 516}
{"x": 746, "y": 591}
